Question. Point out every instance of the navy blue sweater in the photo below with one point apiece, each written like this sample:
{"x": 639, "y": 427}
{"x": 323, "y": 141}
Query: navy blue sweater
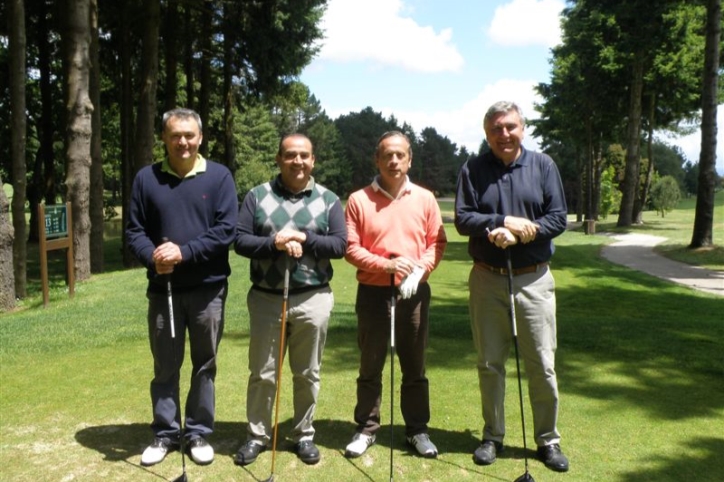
{"x": 198, "y": 213}
{"x": 488, "y": 190}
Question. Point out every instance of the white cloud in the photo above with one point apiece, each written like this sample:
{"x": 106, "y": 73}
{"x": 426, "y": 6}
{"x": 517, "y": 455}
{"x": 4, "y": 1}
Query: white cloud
{"x": 527, "y": 22}
{"x": 378, "y": 31}
{"x": 464, "y": 125}
{"x": 691, "y": 144}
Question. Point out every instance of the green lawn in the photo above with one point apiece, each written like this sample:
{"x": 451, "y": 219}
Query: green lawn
{"x": 640, "y": 364}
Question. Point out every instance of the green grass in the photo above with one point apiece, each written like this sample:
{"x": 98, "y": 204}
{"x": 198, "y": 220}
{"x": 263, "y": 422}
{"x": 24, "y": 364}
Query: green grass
{"x": 640, "y": 367}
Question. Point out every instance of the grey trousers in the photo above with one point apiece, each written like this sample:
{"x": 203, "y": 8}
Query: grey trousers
{"x": 201, "y": 312}
{"x": 306, "y": 334}
{"x": 535, "y": 305}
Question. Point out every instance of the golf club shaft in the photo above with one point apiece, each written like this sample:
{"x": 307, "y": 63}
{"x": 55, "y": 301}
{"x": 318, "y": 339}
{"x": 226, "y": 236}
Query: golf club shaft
{"x": 514, "y": 327}
{"x": 393, "y": 306}
{"x": 282, "y": 336}
{"x": 172, "y": 324}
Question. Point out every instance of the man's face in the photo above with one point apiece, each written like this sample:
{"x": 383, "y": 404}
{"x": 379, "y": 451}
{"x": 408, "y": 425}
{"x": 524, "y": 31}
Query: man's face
{"x": 295, "y": 162}
{"x": 505, "y": 135}
{"x": 393, "y": 159}
{"x": 182, "y": 138}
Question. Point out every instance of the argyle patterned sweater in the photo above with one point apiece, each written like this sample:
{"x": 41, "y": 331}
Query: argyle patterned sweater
{"x": 269, "y": 208}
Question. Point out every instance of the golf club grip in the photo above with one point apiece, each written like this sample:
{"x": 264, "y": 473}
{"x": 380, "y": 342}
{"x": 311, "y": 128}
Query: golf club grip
{"x": 169, "y": 295}
{"x": 511, "y": 293}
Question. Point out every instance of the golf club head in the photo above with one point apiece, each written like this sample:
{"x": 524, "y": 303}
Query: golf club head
{"x": 181, "y": 478}
{"x": 270, "y": 479}
{"x": 526, "y": 477}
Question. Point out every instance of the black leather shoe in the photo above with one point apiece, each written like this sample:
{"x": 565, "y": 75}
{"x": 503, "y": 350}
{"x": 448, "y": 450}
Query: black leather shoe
{"x": 307, "y": 452}
{"x": 552, "y": 457}
{"x": 487, "y": 452}
{"x": 248, "y": 453}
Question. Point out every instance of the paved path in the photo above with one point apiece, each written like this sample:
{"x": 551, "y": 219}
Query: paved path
{"x": 635, "y": 251}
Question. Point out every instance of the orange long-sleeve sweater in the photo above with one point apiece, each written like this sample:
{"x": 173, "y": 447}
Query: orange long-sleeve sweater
{"x": 378, "y": 226}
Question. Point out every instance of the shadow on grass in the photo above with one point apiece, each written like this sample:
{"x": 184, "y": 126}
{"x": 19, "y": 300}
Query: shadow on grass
{"x": 121, "y": 443}
{"x": 701, "y": 452}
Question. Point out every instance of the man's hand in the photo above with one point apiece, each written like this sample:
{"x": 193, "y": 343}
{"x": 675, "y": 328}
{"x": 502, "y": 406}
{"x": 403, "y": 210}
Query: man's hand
{"x": 401, "y": 265}
{"x": 502, "y": 237}
{"x": 166, "y": 256}
{"x": 287, "y": 235}
{"x": 408, "y": 287}
{"x": 524, "y": 229}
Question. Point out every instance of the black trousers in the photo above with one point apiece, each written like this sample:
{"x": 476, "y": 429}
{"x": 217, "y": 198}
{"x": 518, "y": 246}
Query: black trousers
{"x": 411, "y": 335}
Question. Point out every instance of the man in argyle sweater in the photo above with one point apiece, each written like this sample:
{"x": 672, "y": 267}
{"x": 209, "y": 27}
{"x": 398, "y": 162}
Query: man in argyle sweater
{"x": 290, "y": 223}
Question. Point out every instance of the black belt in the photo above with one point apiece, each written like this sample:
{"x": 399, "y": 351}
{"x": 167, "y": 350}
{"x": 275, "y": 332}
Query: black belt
{"x": 292, "y": 291}
{"x": 516, "y": 271}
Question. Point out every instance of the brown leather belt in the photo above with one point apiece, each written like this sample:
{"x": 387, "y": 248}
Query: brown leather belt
{"x": 517, "y": 271}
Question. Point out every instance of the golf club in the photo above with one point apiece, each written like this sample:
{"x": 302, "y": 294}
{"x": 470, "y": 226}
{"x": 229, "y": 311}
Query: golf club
{"x": 526, "y": 477}
{"x": 393, "y": 305}
{"x": 169, "y": 292}
{"x": 282, "y": 336}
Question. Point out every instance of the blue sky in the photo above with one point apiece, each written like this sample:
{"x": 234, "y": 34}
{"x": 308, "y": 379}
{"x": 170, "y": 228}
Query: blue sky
{"x": 441, "y": 63}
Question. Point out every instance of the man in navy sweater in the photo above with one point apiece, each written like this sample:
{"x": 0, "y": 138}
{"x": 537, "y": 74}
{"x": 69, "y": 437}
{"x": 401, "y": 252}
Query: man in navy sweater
{"x": 182, "y": 219}
{"x": 510, "y": 202}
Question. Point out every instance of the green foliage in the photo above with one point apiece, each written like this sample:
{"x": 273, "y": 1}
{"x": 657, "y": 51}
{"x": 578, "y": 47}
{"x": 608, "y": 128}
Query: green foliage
{"x": 257, "y": 143}
{"x": 610, "y": 195}
{"x": 691, "y": 177}
{"x": 665, "y": 194}
{"x": 359, "y": 132}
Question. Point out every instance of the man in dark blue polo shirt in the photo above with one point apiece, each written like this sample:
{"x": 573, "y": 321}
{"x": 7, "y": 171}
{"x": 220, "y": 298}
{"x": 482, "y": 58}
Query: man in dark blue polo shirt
{"x": 512, "y": 199}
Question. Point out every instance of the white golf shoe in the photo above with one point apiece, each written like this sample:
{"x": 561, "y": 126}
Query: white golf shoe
{"x": 359, "y": 444}
{"x": 156, "y": 452}
{"x": 423, "y": 445}
{"x": 201, "y": 452}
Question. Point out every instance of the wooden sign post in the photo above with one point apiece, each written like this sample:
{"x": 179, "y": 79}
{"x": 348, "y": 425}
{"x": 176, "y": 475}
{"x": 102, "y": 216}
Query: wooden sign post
{"x": 56, "y": 232}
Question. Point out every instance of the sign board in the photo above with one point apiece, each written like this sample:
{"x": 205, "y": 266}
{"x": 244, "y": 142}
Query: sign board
{"x": 56, "y": 221}
{"x": 56, "y": 232}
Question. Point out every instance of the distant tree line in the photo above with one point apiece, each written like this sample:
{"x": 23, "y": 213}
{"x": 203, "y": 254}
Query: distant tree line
{"x": 86, "y": 81}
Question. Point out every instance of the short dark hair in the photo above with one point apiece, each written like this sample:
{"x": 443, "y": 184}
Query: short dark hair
{"x": 180, "y": 113}
{"x": 394, "y": 134}
{"x": 503, "y": 107}
{"x": 293, "y": 134}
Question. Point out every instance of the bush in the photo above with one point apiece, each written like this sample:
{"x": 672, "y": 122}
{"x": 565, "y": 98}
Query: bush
{"x": 665, "y": 194}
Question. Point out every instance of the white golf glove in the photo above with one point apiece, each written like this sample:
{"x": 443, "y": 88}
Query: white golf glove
{"x": 408, "y": 287}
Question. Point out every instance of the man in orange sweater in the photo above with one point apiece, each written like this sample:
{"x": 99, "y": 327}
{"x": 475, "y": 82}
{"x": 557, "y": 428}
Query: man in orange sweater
{"x": 394, "y": 228}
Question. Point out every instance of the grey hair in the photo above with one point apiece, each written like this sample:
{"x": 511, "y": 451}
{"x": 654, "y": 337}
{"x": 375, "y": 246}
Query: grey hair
{"x": 180, "y": 113}
{"x": 503, "y": 107}
{"x": 394, "y": 134}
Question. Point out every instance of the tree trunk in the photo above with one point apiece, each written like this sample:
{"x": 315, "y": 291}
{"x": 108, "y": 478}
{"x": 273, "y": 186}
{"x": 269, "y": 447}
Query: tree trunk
{"x": 143, "y": 145}
{"x": 7, "y": 277}
{"x": 704, "y": 217}
{"x": 97, "y": 213}
{"x": 633, "y": 155}
{"x": 170, "y": 27}
{"x": 79, "y": 129}
{"x": 597, "y": 168}
{"x": 640, "y": 204}
{"x": 205, "y": 76}
{"x": 17, "y": 51}
{"x": 44, "y": 171}
{"x": 127, "y": 168}
{"x": 189, "y": 56}
{"x": 589, "y": 170}
{"x": 229, "y": 91}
